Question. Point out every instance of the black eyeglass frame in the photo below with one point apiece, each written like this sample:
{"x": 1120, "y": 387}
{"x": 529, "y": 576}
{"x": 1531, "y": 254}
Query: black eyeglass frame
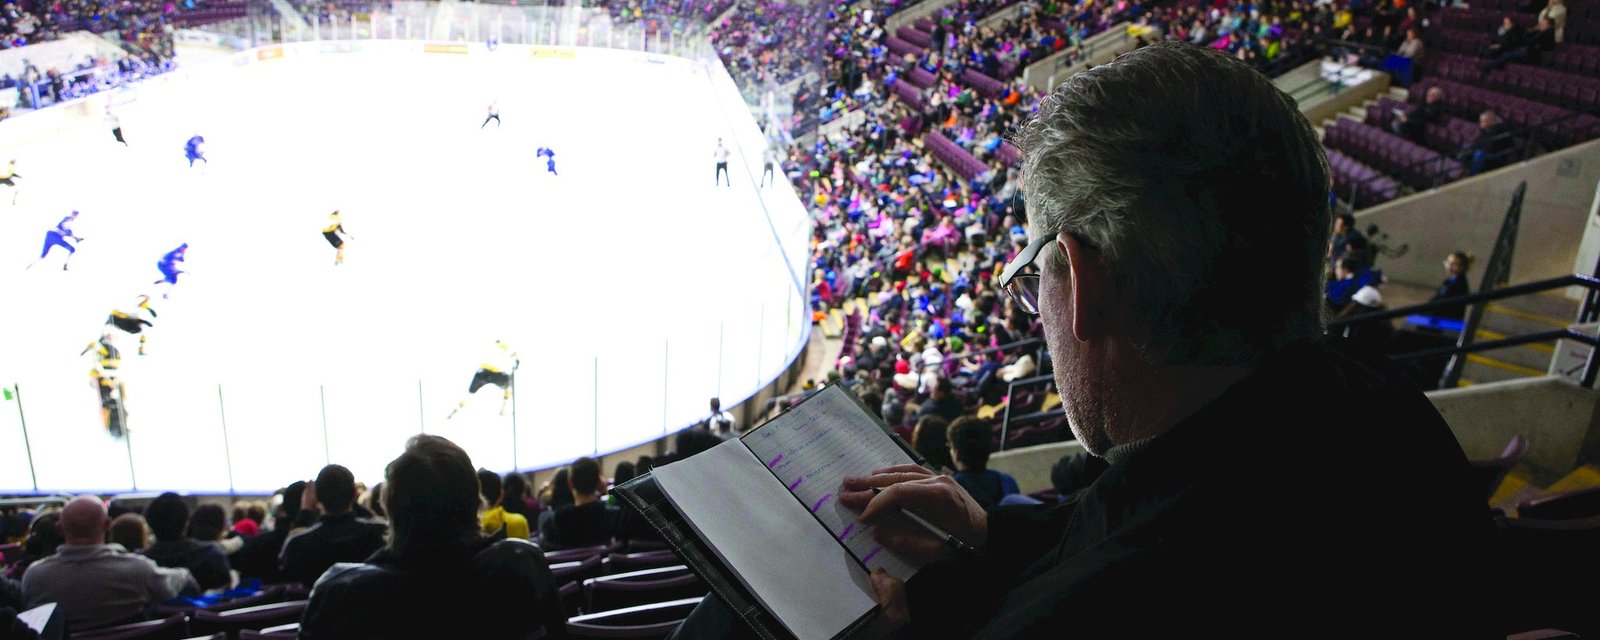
{"x": 1008, "y": 280}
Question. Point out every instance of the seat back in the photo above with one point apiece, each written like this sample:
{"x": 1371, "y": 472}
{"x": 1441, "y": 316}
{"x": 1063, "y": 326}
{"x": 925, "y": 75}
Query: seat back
{"x": 1567, "y": 505}
{"x": 257, "y": 617}
{"x": 1491, "y": 472}
{"x": 606, "y": 594}
{"x": 173, "y": 627}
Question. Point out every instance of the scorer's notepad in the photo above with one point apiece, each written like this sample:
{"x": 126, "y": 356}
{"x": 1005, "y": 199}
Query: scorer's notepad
{"x": 766, "y": 504}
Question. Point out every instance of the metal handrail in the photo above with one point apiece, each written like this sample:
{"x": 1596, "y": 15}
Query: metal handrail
{"x": 1574, "y": 280}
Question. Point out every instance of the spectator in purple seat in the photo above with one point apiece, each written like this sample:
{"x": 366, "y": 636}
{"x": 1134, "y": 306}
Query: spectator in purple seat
{"x": 587, "y": 521}
{"x": 337, "y": 536}
{"x": 1556, "y": 14}
{"x": 1507, "y": 39}
{"x": 494, "y": 517}
{"x": 970, "y": 444}
{"x": 1412, "y": 48}
{"x": 168, "y": 516}
{"x": 258, "y": 558}
{"x": 43, "y": 539}
{"x": 1347, "y": 240}
{"x": 437, "y": 576}
{"x": 941, "y": 402}
{"x": 1413, "y": 126}
{"x": 131, "y": 531}
{"x": 209, "y": 524}
{"x": 1493, "y": 146}
{"x": 95, "y": 584}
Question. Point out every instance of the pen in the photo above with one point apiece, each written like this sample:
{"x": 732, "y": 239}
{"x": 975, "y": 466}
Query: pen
{"x": 956, "y": 544}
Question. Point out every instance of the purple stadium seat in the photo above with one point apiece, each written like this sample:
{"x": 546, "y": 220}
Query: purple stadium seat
{"x": 952, "y": 155}
{"x": 914, "y": 36}
{"x": 986, "y": 86}
{"x": 900, "y": 47}
{"x": 610, "y": 592}
{"x": 1010, "y": 154}
{"x": 920, "y": 77}
{"x": 232, "y": 622}
{"x": 910, "y": 95}
{"x": 173, "y": 627}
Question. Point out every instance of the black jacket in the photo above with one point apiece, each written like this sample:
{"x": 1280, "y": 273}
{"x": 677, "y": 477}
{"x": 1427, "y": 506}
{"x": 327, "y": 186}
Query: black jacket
{"x": 309, "y": 552}
{"x": 500, "y": 589}
{"x": 1264, "y": 514}
{"x": 206, "y": 561}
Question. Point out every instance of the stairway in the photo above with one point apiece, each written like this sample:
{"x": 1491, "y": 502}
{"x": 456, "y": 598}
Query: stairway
{"x": 1513, "y": 317}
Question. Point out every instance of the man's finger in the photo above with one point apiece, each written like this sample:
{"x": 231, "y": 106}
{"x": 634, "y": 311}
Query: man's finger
{"x": 904, "y": 468}
{"x": 929, "y": 497}
{"x": 883, "y": 479}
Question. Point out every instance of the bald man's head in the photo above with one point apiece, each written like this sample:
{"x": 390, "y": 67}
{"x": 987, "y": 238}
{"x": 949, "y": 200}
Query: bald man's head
{"x": 84, "y": 521}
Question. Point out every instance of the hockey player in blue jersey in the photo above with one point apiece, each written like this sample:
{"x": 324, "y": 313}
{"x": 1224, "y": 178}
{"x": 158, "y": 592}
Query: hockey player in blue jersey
{"x": 193, "y": 150}
{"x": 169, "y": 267}
{"x": 547, "y": 153}
{"x": 57, "y": 237}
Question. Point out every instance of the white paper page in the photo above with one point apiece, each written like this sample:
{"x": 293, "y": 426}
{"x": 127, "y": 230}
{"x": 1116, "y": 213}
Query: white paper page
{"x": 813, "y": 448}
{"x": 809, "y": 582}
{"x": 38, "y": 616}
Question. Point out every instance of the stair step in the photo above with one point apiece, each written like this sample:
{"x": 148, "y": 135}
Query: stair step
{"x": 1399, "y": 93}
{"x": 1555, "y": 308}
{"x": 1481, "y": 370}
{"x": 1533, "y": 356}
{"x": 1516, "y": 487}
{"x": 1582, "y": 477}
{"x": 1512, "y": 322}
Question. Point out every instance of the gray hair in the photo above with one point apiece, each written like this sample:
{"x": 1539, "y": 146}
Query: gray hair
{"x": 1205, "y": 191}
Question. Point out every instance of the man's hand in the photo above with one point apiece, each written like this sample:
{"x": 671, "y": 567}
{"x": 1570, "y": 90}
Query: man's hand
{"x": 935, "y": 497}
{"x": 892, "y": 610}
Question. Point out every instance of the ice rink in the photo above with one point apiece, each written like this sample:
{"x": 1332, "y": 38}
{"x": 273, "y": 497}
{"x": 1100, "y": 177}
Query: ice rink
{"x": 632, "y": 288}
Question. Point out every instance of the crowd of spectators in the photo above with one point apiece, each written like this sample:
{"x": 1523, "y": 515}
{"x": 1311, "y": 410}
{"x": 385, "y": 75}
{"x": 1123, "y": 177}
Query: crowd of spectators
{"x": 142, "y": 22}
{"x": 109, "y": 563}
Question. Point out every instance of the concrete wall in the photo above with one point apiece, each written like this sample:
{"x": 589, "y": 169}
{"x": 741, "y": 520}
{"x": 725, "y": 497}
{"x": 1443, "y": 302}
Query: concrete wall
{"x": 1466, "y": 215}
{"x": 1558, "y": 418}
{"x": 1100, "y": 48}
{"x": 1031, "y": 465}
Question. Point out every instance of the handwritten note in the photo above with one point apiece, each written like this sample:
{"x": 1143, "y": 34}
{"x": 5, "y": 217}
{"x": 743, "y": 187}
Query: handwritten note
{"x": 812, "y": 448}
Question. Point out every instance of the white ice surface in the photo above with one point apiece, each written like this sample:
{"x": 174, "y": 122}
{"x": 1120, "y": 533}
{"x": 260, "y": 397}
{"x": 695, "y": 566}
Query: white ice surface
{"x": 629, "y": 257}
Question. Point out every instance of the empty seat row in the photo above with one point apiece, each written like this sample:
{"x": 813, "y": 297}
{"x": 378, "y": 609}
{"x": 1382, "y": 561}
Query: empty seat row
{"x": 914, "y": 36}
{"x": 1574, "y": 58}
{"x": 1575, "y": 91}
{"x": 985, "y": 86}
{"x": 1360, "y": 184}
{"x": 909, "y": 94}
{"x": 900, "y": 47}
{"x": 1456, "y": 41}
{"x": 1480, "y": 20}
{"x": 1414, "y": 165}
{"x": 952, "y": 155}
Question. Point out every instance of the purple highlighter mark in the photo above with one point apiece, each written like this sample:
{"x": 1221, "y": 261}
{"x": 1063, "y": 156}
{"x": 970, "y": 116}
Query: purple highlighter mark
{"x": 821, "y": 501}
{"x": 848, "y": 528}
{"x": 872, "y": 554}
{"x": 796, "y": 482}
{"x": 775, "y": 461}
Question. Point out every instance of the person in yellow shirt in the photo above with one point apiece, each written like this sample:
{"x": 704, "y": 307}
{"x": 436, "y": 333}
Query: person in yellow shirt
{"x": 332, "y": 233}
{"x": 497, "y": 369}
{"x": 494, "y": 516}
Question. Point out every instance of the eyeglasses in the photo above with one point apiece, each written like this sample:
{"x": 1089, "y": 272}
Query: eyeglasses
{"x": 1020, "y": 279}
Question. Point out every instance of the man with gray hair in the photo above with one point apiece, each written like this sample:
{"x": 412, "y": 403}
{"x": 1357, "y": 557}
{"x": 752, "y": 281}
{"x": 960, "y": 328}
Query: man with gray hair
{"x": 1179, "y": 219}
{"x": 95, "y": 584}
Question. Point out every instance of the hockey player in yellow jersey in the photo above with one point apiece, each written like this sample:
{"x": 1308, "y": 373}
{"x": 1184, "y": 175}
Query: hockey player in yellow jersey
{"x": 131, "y": 319}
{"x": 498, "y": 369}
{"x": 107, "y": 382}
{"x": 333, "y": 232}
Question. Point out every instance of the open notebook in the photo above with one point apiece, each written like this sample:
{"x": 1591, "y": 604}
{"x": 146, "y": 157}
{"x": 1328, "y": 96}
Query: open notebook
{"x": 765, "y": 507}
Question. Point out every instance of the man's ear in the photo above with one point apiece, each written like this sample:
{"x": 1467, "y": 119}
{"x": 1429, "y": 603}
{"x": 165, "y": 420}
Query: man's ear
{"x": 1088, "y": 279}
